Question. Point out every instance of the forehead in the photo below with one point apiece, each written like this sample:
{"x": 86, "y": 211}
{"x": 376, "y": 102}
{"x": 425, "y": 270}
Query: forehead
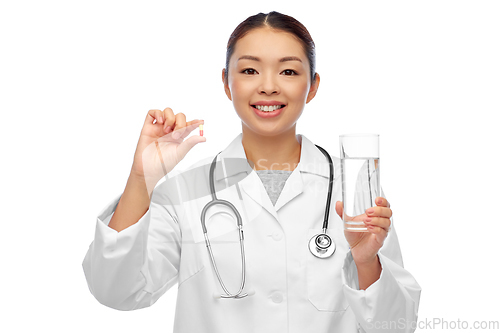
{"x": 269, "y": 43}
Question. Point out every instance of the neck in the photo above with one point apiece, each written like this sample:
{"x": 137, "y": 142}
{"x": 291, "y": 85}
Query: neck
{"x": 280, "y": 152}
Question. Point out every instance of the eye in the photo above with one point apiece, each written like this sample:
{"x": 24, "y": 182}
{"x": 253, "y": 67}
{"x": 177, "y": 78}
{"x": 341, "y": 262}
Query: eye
{"x": 289, "y": 72}
{"x": 249, "y": 71}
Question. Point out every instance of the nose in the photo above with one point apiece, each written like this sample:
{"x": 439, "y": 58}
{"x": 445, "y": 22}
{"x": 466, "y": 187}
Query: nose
{"x": 268, "y": 85}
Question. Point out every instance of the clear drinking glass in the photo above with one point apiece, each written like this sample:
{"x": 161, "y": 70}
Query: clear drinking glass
{"x": 360, "y": 169}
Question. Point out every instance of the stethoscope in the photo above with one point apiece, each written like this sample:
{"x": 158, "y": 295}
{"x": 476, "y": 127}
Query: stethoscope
{"x": 320, "y": 245}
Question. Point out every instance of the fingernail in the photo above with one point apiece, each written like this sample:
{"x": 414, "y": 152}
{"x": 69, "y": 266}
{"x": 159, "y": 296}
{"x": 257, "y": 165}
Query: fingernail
{"x": 379, "y": 200}
{"x": 167, "y": 128}
{"x": 370, "y": 211}
{"x": 161, "y": 120}
{"x": 368, "y": 219}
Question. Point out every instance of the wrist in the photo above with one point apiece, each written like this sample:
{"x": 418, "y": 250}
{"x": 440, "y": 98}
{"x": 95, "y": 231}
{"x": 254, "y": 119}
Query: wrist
{"x": 139, "y": 181}
{"x": 368, "y": 272}
{"x": 367, "y": 262}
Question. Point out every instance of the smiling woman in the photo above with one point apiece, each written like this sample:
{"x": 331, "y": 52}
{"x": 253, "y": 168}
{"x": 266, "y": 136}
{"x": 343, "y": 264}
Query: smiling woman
{"x": 268, "y": 79}
{"x": 151, "y": 237}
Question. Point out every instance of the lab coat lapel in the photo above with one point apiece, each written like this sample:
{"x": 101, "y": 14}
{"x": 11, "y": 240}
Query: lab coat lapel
{"x": 311, "y": 161}
{"x": 293, "y": 187}
{"x": 251, "y": 184}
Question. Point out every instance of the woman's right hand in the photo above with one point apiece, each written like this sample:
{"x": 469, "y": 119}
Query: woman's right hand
{"x": 162, "y": 140}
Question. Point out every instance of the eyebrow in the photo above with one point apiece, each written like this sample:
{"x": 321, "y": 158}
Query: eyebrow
{"x": 284, "y": 59}
{"x": 292, "y": 58}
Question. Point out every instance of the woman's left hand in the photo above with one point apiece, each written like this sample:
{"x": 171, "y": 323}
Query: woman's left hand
{"x": 365, "y": 245}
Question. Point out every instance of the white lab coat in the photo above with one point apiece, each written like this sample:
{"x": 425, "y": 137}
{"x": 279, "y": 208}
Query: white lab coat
{"x": 290, "y": 289}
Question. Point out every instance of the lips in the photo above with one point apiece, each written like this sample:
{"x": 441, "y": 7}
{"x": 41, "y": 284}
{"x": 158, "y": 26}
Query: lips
{"x": 268, "y": 109}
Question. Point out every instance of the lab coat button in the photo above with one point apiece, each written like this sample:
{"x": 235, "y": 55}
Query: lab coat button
{"x": 277, "y": 297}
{"x": 277, "y": 236}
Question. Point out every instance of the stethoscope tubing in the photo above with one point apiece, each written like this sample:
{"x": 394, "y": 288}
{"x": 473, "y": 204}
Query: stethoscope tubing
{"x": 330, "y": 187}
{"x": 315, "y": 245}
{"x": 216, "y": 201}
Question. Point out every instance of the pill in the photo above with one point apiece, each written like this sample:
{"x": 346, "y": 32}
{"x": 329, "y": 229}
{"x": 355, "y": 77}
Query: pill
{"x": 201, "y": 129}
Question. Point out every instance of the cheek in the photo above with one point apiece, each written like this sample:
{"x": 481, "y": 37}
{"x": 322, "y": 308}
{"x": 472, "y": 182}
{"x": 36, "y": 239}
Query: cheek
{"x": 299, "y": 91}
{"x": 237, "y": 90}
{"x": 240, "y": 96}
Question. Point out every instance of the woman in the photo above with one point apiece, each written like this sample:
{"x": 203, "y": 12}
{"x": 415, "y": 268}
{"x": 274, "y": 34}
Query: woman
{"x": 143, "y": 247}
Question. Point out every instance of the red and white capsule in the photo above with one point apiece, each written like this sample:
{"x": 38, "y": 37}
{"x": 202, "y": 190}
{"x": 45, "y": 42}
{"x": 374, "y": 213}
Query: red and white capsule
{"x": 201, "y": 129}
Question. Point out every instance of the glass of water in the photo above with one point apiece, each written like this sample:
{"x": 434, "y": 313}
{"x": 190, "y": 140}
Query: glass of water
{"x": 360, "y": 169}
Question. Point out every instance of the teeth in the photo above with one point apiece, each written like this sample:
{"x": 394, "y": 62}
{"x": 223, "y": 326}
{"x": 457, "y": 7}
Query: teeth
{"x": 267, "y": 108}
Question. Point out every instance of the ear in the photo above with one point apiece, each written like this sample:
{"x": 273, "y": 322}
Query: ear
{"x": 226, "y": 84}
{"x": 314, "y": 89}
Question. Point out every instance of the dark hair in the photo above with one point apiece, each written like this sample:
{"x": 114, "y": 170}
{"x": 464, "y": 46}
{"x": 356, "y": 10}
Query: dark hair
{"x": 278, "y": 21}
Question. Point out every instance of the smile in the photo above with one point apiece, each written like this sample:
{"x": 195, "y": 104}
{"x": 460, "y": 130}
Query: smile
{"x": 268, "y": 108}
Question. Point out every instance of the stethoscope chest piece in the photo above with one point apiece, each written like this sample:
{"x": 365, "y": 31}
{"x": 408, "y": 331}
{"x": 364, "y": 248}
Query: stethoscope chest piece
{"x": 321, "y": 246}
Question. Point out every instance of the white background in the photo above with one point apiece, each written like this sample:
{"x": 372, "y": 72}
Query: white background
{"x": 78, "y": 77}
